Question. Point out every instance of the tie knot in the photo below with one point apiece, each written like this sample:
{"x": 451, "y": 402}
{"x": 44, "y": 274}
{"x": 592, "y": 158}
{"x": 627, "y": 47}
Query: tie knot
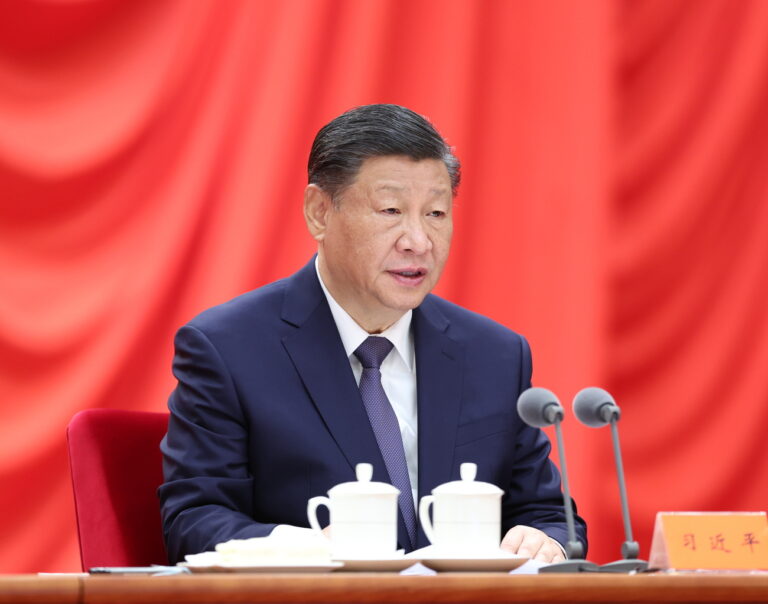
{"x": 373, "y": 351}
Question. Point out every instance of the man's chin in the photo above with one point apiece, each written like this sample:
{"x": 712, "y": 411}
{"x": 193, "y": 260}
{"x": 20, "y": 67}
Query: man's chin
{"x": 404, "y": 303}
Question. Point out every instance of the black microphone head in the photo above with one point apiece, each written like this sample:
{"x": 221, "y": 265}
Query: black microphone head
{"x": 538, "y": 407}
{"x": 594, "y": 407}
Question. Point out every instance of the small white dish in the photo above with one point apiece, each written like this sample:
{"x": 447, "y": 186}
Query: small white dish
{"x": 264, "y": 568}
{"x": 373, "y": 566}
{"x": 479, "y": 565}
{"x": 496, "y": 560}
{"x": 372, "y": 563}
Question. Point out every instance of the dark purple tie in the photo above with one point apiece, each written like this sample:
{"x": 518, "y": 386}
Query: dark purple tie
{"x": 371, "y": 354}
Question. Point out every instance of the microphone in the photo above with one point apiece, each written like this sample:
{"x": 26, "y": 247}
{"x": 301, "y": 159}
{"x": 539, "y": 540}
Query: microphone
{"x": 538, "y": 407}
{"x": 594, "y": 407}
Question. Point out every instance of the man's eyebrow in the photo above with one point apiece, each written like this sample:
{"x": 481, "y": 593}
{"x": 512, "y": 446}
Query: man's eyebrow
{"x": 400, "y": 188}
{"x": 389, "y": 187}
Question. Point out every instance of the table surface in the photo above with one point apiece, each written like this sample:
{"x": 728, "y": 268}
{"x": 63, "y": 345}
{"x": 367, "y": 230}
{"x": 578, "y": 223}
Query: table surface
{"x": 454, "y": 588}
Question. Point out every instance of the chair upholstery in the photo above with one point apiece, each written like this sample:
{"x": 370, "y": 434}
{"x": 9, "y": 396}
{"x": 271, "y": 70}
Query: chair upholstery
{"x": 116, "y": 468}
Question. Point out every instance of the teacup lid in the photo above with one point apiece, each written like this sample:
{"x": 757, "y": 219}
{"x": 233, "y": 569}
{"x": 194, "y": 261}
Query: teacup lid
{"x": 467, "y": 485}
{"x": 363, "y": 485}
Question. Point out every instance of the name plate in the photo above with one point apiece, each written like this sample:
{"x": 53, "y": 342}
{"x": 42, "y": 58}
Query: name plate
{"x": 710, "y": 540}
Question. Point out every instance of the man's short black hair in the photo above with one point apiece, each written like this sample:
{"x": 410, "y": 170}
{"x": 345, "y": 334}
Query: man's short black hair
{"x": 343, "y": 144}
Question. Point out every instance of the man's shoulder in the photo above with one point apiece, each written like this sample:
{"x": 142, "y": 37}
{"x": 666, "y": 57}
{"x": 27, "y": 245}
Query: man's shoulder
{"x": 465, "y": 324}
{"x": 487, "y": 347}
{"x": 258, "y": 305}
{"x": 263, "y": 307}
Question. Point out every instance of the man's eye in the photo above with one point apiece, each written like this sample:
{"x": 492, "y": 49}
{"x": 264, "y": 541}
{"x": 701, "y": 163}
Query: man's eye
{"x": 391, "y": 211}
{"x": 436, "y": 213}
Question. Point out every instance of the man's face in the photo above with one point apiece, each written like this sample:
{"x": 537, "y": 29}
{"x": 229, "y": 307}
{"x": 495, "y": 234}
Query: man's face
{"x": 384, "y": 246}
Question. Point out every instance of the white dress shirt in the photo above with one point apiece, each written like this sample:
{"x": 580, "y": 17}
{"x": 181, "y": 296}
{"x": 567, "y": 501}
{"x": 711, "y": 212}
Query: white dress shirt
{"x": 398, "y": 374}
{"x": 398, "y": 377}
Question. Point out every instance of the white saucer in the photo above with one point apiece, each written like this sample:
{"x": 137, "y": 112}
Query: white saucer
{"x": 378, "y": 565}
{"x": 395, "y": 562}
{"x": 263, "y": 568}
{"x": 446, "y": 561}
{"x": 479, "y": 565}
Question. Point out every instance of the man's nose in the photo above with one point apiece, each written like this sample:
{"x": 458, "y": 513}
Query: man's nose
{"x": 414, "y": 238}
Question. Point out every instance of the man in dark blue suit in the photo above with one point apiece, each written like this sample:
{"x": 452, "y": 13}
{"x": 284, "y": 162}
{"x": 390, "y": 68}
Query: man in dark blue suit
{"x": 267, "y": 412}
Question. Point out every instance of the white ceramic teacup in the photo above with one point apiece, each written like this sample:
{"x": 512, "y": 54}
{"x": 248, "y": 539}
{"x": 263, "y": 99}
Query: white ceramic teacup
{"x": 466, "y": 515}
{"x": 363, "y": 517}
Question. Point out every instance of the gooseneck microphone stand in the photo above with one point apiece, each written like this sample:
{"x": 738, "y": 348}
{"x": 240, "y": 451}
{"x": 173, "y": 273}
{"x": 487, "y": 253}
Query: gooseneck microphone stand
{"x": 538, "y": 407}
{"x": 594, "y": 407}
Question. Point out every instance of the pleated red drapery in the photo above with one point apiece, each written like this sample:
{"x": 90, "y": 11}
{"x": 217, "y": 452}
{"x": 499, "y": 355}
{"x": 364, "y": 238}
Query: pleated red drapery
{"x": 614, "y": 209}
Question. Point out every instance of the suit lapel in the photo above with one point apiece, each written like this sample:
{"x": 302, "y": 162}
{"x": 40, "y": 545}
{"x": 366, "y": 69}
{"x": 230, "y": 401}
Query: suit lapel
{"x": 317, "y": 353}
{"x": 439, "y": 372}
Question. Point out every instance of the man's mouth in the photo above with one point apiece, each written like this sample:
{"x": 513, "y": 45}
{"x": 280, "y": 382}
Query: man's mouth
{"x": 416, "y": 273}
{"x": 410, "y": 276}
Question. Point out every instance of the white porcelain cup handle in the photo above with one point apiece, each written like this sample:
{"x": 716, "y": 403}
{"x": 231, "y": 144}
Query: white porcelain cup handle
{"x": 312, "y": 506}
{"x": 426, "y": 523}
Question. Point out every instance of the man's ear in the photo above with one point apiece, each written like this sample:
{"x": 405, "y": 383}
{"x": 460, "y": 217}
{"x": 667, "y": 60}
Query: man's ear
{"x": 317, "y": 205}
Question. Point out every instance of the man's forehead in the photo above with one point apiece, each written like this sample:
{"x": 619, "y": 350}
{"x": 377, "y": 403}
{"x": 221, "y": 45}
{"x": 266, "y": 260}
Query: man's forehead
{"x": 397, "y": 173}
{"x": 385, "y": 186}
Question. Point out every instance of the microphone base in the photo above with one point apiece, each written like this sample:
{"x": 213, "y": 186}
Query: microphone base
{"x": 576, "y": 565}
{"x": 624, "y": 566}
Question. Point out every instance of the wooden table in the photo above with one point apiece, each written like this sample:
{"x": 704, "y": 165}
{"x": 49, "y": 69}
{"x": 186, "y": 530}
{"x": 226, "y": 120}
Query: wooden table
{"x": 32, "y": 589}
{"x": 375, "y": 588}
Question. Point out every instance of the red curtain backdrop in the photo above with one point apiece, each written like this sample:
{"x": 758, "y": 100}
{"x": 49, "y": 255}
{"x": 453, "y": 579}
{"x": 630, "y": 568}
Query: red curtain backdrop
{"x": 614, "y": 209}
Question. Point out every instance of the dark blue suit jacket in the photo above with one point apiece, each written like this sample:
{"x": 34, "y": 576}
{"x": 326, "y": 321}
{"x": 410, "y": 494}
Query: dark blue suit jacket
{"x": 267, "y": 414}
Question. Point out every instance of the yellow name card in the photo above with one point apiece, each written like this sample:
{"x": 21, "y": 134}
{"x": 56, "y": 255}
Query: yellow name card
{"x": 710, "y": 540}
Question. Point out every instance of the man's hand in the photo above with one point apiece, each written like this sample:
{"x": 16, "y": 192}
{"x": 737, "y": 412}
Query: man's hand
{"x": 532, "y": 543}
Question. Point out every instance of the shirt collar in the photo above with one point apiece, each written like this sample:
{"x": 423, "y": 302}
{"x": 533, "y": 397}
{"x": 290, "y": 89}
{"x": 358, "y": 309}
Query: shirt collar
{"x": 352, "y": 335}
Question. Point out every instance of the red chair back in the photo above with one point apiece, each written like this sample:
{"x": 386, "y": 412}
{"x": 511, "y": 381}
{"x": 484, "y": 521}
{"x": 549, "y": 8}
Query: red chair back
{"x": 116, "y": 466}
